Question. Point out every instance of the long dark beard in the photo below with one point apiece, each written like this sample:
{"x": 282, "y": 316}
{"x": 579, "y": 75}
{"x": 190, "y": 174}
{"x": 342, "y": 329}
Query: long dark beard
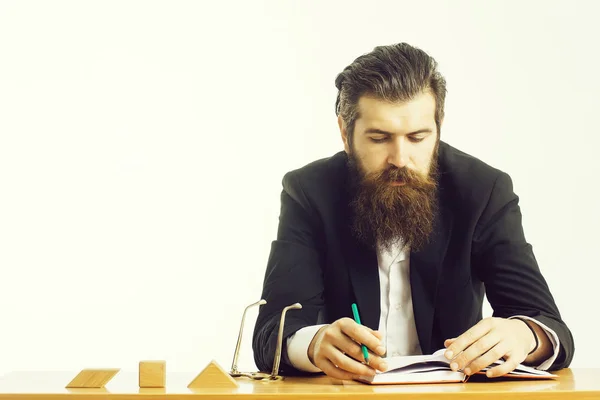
{"x": 384, "y": 214}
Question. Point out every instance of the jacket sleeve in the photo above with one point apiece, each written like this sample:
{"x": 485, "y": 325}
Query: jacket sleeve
{"x": 505, "y": 263}
{"x": 293, "y": 274}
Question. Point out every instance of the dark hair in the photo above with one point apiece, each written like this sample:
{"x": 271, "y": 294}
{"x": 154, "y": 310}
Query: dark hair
{"x": 392, "y": 73}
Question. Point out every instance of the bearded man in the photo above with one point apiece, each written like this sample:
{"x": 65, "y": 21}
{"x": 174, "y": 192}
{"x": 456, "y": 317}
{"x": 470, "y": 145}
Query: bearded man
{"x": 414, "y": 232}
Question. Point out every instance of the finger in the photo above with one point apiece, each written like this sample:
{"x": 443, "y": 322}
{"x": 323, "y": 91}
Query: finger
{"x": 362, "y": 335}
{"x": 485, "y": 360}
{"x": 378, "y": 334}
{"x": 468, "y": 338}
{"x": 475, "y": 351}
{"x": 509, "y": 365}
{"x": 354, "y": 350}
{"x": 448, "y": 342}
{"x": 374, "y": 332}
{"x": 348, "y": 363}
{"x": 332, "y": 371}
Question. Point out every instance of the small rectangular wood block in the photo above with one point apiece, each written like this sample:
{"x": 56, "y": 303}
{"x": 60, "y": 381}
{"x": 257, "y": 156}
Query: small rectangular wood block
{"x": 152, "y": 374}
{"x": 93, "y": 378}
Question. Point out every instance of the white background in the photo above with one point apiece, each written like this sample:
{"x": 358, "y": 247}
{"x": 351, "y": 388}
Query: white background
{"x": 142, "y": 146}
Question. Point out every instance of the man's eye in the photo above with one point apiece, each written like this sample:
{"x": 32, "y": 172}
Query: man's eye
{"x": 415, "y": 139}
{"x": 378, "y": 140}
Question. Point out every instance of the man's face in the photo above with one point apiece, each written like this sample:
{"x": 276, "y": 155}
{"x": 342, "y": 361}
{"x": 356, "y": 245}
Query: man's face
{"x": 392, "y": 161}
{"x": 388, "y": 135}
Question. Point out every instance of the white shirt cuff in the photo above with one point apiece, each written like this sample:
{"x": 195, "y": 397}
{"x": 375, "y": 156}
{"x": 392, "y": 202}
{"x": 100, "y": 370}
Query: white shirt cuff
{"x": 297, "y": 348}
{"x": 553, "y": 339}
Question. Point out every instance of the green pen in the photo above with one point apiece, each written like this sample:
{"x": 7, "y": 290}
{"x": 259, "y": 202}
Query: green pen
{"x": 357, "y": 319}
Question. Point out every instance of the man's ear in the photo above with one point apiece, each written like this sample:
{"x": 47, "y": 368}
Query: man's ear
{"x": 344, "y": 133}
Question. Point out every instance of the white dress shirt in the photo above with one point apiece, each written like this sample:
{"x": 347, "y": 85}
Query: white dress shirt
{"x": 396, "y": 322}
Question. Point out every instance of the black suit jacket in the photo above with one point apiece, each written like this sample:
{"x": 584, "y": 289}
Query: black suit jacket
{"x": 478, "y": 246}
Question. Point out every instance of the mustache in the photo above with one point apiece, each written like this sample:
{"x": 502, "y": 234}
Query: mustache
{"x": 404, "y": 174}
{"x": 399, "y": 174}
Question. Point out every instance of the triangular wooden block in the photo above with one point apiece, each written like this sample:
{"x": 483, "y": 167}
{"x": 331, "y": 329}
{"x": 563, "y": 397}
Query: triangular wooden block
{"x": 213, "y": 376}
{"x": 93, "y": 378}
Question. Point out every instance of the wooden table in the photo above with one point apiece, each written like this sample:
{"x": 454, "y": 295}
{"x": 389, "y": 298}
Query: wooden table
{"x": 572, "y": 384}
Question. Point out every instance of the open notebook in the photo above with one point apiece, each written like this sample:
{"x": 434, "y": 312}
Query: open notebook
{"x": 435, "y": 368}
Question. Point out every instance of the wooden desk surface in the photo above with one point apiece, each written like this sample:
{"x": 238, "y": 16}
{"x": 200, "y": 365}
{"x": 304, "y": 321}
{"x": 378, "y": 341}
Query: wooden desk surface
{"x": 572, "y": 384}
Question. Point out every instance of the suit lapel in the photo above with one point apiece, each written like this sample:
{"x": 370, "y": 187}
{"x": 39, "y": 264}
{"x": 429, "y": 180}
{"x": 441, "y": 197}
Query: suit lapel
{"x": 425, "y": 269}
{"x": 364, "y": 276}
{"x": 360, "y": 262}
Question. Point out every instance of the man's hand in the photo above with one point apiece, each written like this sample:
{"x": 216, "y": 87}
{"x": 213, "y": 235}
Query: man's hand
{"x": 488, "y": 341}
{"x": 336, "y": 350}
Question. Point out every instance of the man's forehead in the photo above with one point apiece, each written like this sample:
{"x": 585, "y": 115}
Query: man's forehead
{"x": 419, "y": 110}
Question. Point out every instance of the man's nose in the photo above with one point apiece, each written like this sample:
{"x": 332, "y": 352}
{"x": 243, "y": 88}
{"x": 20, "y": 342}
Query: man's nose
{"x": 398, "y": 153}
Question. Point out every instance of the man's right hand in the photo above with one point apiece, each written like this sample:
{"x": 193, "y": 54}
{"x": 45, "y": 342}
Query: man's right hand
{"x": 336, "y": 350}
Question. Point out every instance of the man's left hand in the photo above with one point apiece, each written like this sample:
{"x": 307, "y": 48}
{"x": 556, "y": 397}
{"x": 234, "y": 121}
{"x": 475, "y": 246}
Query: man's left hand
{"x": 488, "y": 341}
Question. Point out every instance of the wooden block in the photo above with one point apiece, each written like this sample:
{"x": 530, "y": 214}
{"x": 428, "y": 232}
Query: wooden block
{"x": 152, "y": 374}
{"x": 93, "y": 378}
{"x": 213, "y": 376}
